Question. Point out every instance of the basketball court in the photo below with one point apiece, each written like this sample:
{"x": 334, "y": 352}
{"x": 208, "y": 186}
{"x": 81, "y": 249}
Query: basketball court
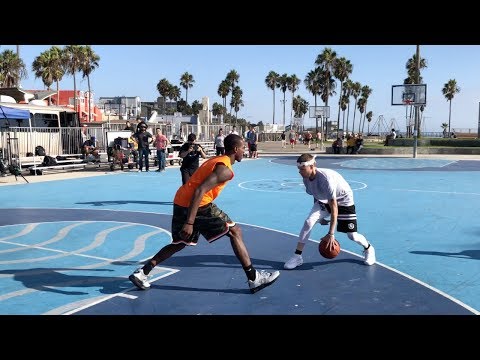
{"x": 68, "y": 246}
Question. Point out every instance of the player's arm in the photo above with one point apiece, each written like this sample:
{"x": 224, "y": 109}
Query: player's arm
{"x": 333, "y": 222}
{"x": 220, "y": 174}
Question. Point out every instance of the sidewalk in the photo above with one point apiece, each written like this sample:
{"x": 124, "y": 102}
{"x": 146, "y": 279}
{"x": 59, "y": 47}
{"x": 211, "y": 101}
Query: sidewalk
{"x": 274, "y": 148}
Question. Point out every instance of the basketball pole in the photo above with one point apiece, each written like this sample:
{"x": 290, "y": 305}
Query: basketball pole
{"x": 417, "y": 80}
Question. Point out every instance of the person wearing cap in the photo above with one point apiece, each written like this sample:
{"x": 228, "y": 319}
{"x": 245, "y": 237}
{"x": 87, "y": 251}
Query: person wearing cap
{"x": 144, "y": 138}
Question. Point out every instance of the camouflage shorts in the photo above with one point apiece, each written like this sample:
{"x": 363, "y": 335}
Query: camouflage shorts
{"x": 210, "y": 222}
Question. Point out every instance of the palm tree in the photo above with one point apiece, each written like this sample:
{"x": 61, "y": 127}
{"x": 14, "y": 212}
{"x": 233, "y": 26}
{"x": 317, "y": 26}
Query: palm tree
{"x": 72, "y": 59}
{"x": 272, "y": 82}
{"x": 232, "y": 78}
{"x": 300, "y": 106}
{"x": 88, "y": 65}
{"x": 42, "y": 68}
{"x": 366, "y": 92}
{"x": 411, "y": 67}
{"x": 342, "y": 69}
{"x": 369, "y": 119}
{"x": 449, "y": 90}
{"x": 223, "y": 91}
{"x": 347, "y": 86}
{"x": 283, "y": 81}
{"x": 236, "y": 100}
{"x": 57, "y": 68}
{"x": 356, "y": 90}
{"x": 444, "y": 127}
{"x": 292, "y": 84}
{"x": 12, "y": 69}
{"x": 326, "y": 60}
{"x": 163, "y": 88}
{"x": 313, "y": 85}
{"x": 186, "y": 81}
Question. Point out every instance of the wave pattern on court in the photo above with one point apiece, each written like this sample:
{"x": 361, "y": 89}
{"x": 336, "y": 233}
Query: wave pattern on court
{"x": 67, "y": 247}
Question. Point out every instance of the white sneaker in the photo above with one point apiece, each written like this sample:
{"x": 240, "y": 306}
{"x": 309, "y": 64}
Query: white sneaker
{"x": 369, "y": 255}
{"x": 263, "y": 279}
{"x": 293, "y": 262}
{"x": 139, "y": 279}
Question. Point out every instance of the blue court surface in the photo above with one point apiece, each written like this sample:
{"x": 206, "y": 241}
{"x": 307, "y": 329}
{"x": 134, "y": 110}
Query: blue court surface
{"x": 68, "y": 246}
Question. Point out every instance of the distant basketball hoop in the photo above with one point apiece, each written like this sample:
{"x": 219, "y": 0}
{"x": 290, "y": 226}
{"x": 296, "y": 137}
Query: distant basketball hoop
{"x": 409, "y": 94}
{"x": 319, "y": 111}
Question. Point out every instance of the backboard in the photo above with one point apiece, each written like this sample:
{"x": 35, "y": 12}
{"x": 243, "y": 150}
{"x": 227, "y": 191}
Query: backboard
{"x": 409, "y": 94}
{"x": 319, "y": 111}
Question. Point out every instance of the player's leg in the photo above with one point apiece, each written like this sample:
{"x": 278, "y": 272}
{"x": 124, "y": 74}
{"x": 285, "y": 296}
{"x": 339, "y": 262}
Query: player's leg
{"x": 213, "y": 224}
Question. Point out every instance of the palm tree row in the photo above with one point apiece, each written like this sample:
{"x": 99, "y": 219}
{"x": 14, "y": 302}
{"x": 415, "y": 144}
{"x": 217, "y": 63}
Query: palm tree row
{"x": 50, "y": 66}
{"x": 321, "y": 82}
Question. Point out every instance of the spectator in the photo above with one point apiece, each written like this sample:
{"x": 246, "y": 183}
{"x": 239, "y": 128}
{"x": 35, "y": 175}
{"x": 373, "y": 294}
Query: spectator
{"x": 282, "y": 136}
{"x": 129, "y": 126}
{"x": 337, "y": 146}
{"x": 234, "y": 130}
{"x": 351, "y": 141}
{"x": 252, "y": 138}
{"x": 190, "y": 152}
{"x": 218, "y": 143}
{"x": 144, "y": 138}
{"x": 391, "y": 136}
{"x": 358, "y": 143}
{"x": 160, "y": 144}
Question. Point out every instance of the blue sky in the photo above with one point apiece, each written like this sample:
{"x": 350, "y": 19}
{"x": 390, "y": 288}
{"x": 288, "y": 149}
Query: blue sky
{"x": 129, "y": 70}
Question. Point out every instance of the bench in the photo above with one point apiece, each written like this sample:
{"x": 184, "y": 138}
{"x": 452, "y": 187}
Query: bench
{"x": 40, "y": 169}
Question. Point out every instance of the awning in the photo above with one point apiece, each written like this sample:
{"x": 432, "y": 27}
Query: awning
{"x": 17, "y": 94}
{"x": 86, "y": 113}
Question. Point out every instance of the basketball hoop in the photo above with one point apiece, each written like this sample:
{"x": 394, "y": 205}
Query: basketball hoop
{"x": 407, "y": 101}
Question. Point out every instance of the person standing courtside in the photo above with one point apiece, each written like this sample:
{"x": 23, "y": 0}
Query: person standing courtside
{"x": 218, "y": 145}
{"x": 190, "y": 154}
{"x": 195, "y": 214}
{"x": 332, "y": 197}
{"x": 161, "y": 143}
{"x": 144, "y": 138}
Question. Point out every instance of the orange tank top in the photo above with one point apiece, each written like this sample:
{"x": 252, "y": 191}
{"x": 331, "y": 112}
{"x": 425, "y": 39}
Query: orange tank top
{"x": 185, "y": 193}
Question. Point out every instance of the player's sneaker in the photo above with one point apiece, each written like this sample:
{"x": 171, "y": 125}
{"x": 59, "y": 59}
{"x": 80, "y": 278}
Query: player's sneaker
{"x": 263, "y": 279}
{"x": 369, "y": 254}
{"x": 139, "y": 279}
{"x": 293, "y": 262}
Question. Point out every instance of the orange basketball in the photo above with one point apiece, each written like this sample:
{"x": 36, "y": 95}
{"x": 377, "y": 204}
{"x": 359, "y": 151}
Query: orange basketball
{"x": 326, "y": 252}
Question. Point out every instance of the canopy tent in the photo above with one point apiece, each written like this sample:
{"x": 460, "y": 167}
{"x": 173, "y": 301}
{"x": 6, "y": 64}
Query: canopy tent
{"x": 9, "y": 113}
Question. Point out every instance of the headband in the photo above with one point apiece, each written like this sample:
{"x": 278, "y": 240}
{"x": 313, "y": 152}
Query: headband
{"x": 306, "y": 163}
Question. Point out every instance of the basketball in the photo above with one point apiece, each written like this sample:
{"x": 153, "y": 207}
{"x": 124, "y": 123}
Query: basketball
{"x": 326, "y": 252}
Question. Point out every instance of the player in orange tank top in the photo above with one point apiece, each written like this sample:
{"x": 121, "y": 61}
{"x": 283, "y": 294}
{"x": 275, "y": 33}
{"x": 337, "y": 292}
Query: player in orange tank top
{"x": 195, "y": 214}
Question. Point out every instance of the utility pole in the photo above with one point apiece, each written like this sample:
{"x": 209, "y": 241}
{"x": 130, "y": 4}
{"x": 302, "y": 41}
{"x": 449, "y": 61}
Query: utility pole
{"x": 417, "y": 81}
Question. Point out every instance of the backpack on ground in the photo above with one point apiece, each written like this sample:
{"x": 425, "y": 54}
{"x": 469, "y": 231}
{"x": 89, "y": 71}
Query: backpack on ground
{"x": 39, "y": 151}
{"x": 49, "y": 161}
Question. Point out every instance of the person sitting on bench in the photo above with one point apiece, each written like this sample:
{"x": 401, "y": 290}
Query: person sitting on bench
{"x": 90, "y": 151}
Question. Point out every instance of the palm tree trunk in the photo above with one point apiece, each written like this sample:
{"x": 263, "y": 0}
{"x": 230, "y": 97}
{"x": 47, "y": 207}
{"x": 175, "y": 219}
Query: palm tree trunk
{"x": 273, "y": 118}
{"x": 284, "y": 108}
{"x": 348, "y": 114}
{"x": 449, "y": 118}
{"x": 89, "y": 97}
{"x": 354, "y": 113}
